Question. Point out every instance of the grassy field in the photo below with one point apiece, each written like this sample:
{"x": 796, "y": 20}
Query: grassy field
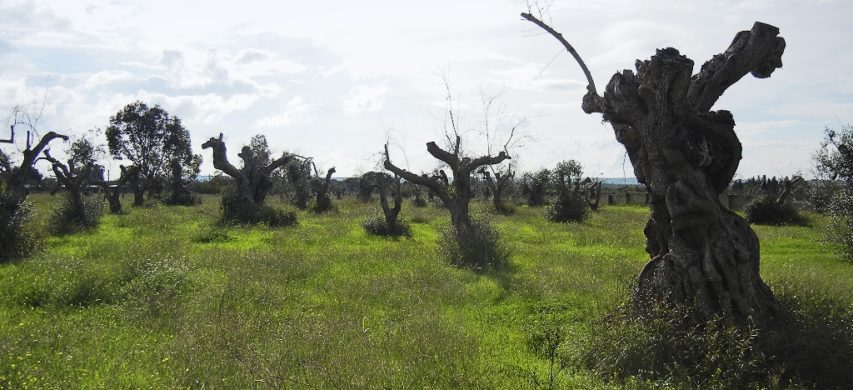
{"x": 159, "y": 298}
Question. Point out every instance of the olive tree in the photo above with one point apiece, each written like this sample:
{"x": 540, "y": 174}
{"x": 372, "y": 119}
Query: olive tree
{"x": 686, "y": 154}
{"x": 320, "y": 185}
{"x": 113, "y": 192}
{"x": 75, "y": 175}
{"x": 15, "y": 179}
{"x": 153, "y": 141}
{"x": 244, "y": 201}
{"x": 834, "y": 161}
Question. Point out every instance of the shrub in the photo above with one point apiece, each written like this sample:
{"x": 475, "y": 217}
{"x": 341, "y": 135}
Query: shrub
{"x": 210, "y": 234}
{"x": 808, "y": 345}
{"x": 820, "y": 194}
{"x": 18, "y": 238}
{"x": 569, "y": 206}
{"x": 68, "y": 218}
{"x": 767, "y": 211}
{"x": 840, "y": 229}
{"x": 154, "y": 286}
{"x": 234, "y": 210}
{"x": 419, "y": 202}
{"x": 375, "y": 224}
{"x": 275, "y": 217}
{"x": 183, "y": 198}
{"x": 477, "y": 247}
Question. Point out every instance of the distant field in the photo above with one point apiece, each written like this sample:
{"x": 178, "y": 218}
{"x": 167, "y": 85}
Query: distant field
{"x": 159, "y": 298}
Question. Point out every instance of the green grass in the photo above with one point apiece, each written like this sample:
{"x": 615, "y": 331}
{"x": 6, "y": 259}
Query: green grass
{"x": 143, "y": 302}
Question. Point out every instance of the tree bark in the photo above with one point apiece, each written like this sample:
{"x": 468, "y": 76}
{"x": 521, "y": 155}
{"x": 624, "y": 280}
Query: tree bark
{"x": 686, "y": 155}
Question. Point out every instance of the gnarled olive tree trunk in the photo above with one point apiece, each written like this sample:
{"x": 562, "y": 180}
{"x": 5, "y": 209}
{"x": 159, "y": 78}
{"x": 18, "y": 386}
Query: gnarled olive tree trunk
{"x": 252, "y": 183}
{"x": 497, "y": 186}
{"x": 391, "y": 212}
{"x": 113, "y": 194}
{"x": 458, "y": 198}
{"x": 74, "y": 179}
{"x": 686, "y": 155}
{"x": 13, "y": 191}
{"x": 321, "y": 190}
{"x": 593, "y": 193}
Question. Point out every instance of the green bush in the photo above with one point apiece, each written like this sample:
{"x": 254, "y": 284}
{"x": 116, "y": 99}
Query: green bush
{"x": 183, "y": 198}
{"x": 235, "y": 210}
{"x": 840, "y": 229}
{"x": 375, "y": 224}
{"x": 809, "y": 344}
{"x": 569, "y": 206}
{"x": 274, "y": 217}
{"x": 69, "y": 219}
{"x": 766, "y": 211}
{"x": 478, "y": 247}
{"x": 154, "y": 286}
{"x": 18, "y": 238}
{"x": 419, "y": 202}
{"x": 209, "y": 234}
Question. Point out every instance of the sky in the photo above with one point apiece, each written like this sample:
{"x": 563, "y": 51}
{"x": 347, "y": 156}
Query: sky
{"x": 335, "y": 80}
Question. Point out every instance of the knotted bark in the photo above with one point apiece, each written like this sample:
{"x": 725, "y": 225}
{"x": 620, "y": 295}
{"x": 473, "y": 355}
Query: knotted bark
{"x": 686, "y": 155}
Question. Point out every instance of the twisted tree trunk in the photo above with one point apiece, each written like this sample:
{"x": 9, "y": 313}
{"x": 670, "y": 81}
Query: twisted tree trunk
{"x": 686, "y": 155}
{"x": 321, "y": 190}
{"x": 13, "y": 191}
{"x": 113, "y": 194}
{"x": 391, "y": 213}
{"x": 458, "y": 198}
{"x": 73, "y": 180}
{"x": 497, "y": 187}
{"x": 594, "y": 196}
{"x": 252, "y": 183}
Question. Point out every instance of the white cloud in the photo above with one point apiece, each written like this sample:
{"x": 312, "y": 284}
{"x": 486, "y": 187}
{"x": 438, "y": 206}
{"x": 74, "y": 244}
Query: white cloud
{"x": 365, "y": 99}
{"x": 295, "y": 111}
{"x": 238, "y": 66}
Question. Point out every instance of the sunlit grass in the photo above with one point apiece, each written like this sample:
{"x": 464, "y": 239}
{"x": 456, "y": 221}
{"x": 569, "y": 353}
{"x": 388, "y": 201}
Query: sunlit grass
{"x": 142, "y": 302}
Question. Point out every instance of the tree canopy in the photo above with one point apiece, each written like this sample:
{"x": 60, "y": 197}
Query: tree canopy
{"x": 150, "y": 138}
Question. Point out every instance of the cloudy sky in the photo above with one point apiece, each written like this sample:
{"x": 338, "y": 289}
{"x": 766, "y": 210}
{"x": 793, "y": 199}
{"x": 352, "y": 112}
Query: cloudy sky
{"x": 335, "y": 79}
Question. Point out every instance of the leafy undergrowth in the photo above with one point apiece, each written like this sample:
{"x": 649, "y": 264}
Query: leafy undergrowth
{"x": 162, "y": 297}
